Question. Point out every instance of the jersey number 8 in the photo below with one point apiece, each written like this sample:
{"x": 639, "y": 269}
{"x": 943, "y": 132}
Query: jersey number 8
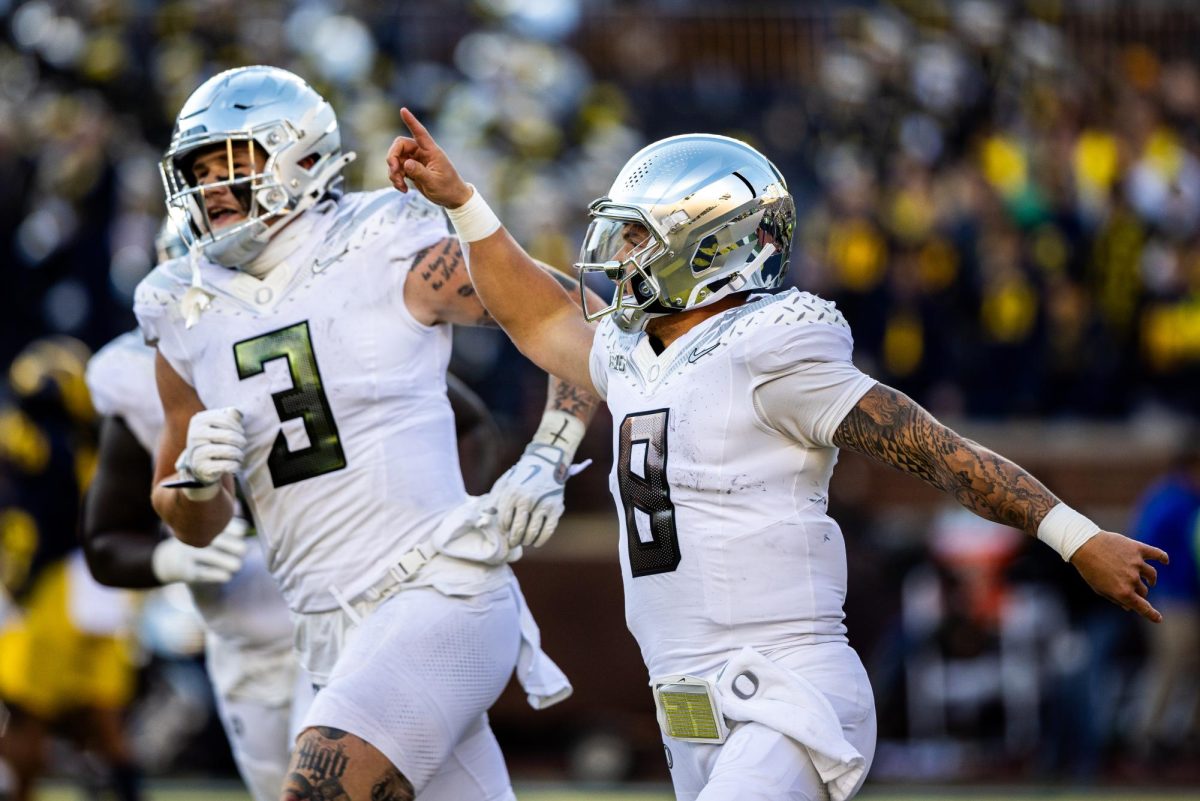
{"x": 646, "y": 491}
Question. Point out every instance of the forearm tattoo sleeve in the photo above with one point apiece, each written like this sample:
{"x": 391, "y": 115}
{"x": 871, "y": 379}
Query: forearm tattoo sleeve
{"x": 889, "y": 426}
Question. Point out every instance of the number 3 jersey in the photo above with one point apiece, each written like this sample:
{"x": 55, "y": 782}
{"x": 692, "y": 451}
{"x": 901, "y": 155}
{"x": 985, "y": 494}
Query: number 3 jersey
{"x": 351, "y": 457}
{"x": 725, "y": 540}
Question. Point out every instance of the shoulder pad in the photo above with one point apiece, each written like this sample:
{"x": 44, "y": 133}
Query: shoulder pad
{"x": 165, "y": 283}
{"x": 118, "y": 368}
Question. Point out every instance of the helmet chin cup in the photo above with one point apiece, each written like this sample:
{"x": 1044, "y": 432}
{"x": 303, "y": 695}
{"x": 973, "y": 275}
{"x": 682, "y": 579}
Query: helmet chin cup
{"x": 239, "y": 247}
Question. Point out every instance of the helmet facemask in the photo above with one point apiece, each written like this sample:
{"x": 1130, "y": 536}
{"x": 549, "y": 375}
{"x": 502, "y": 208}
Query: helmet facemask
{"x": 621, "y": 242}
{"x": 255, "y": 193}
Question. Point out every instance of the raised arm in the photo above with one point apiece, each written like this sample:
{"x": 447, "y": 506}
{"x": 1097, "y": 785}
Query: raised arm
{"x": 889, "y": 426}
{"x": 540, "y": 316}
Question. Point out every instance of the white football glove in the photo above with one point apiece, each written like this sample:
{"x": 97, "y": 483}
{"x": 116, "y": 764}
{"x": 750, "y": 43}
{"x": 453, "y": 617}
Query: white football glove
{"x": 214, "y": 564}
{"x": 528, "y": 498}
{"x": 216, "y": 445}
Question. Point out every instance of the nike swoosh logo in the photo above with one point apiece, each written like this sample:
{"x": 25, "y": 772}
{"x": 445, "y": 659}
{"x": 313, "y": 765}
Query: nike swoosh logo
{"x": 697, "y": 355}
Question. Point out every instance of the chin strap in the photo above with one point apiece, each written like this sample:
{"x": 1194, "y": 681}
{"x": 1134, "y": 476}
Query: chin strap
{"x": 197, "y": 298}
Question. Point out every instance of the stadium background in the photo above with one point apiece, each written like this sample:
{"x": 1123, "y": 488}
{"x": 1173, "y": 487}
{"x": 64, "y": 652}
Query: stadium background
{"x": 1003, "y": 197}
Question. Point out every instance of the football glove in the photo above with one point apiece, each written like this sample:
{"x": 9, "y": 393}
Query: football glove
{"x": 528, "y": 498}
{"x": 216, "y": 563}
{"x": 216, "y": 445}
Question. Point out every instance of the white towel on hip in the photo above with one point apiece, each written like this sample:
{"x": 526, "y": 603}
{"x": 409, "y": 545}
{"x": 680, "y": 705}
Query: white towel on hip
{"x": 753, "y": 688}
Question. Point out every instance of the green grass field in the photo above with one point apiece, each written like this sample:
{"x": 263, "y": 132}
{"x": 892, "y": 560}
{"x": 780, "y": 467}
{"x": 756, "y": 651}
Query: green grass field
{"x": 177, "y": 791}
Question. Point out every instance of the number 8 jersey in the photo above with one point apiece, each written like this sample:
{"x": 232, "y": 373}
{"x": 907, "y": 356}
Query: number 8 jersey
{"x": 725, "y": 540}
{"x": 351, "y": 456}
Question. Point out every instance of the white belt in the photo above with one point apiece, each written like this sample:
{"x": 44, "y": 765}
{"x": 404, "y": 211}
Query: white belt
{"x": 404, "y": 568}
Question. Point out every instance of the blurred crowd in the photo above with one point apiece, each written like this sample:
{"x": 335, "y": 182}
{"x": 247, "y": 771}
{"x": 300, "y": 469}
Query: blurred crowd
{"x": 1007, "y": 213}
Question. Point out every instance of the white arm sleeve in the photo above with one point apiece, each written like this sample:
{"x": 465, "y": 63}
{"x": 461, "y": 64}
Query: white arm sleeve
{"x": 809, "y": 403}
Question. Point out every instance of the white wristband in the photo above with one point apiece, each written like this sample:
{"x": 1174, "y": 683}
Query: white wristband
{"x": 474, "y": 220}
{"x": 560, "y": 430}
{"x": 1064, "y": 530}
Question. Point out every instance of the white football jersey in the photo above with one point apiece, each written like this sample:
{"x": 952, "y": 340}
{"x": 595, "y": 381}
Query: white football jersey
{"x": 351, "y": 457}
{"x": 120, "y": 378}
{"x": 246, "y": 612}
{"x": 724, "y": 536}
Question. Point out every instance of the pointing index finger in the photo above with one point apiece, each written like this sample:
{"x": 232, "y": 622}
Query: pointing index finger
{"x": 420, "y": 133}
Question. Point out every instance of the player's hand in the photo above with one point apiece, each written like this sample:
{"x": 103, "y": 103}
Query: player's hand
{"x": 1116, "y": 567}
{"x": 419, "y": 159}
{"x": 528, "y": 498}
{"x": 215, "y": 563}
{"x": 216, "y": 445}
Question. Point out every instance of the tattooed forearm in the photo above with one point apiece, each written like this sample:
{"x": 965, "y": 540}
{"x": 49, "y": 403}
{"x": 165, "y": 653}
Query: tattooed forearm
{"x": 571, "y": 399}
{"x": 887, "y": 425}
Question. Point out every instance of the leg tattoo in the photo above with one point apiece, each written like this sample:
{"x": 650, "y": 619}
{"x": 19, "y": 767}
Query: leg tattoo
{"x": 333, "y": 765}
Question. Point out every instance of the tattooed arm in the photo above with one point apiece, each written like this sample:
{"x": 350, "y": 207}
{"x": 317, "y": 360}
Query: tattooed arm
{"x": 890, "y": 427}
{"x": 439, "y": 290}
{"x": 529, "y": 496}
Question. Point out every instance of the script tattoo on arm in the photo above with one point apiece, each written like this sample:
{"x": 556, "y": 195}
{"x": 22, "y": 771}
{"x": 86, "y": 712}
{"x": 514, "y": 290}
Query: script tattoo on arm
{"x": 436, "y": 265}
{"x": 889, "y": 426}
{"x": 442, "y": 270}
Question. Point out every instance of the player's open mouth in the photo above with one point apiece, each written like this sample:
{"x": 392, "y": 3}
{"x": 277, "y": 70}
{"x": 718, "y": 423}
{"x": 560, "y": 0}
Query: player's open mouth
{"x": 220, "y": 217}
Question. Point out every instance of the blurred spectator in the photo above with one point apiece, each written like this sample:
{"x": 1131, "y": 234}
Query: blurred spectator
{"x": 65, "y": 655}
{"x": 1005, "y": 203}
{"x": 1168, "y": 516}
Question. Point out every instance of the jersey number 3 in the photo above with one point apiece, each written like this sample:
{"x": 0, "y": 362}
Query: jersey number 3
{"x": 645, "y": 490}
{"x": 305, "y": 400}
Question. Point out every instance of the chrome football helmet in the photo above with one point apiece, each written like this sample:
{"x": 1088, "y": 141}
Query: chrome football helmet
{"x": 688, "y": 221}
{"x": 271, "y": 112}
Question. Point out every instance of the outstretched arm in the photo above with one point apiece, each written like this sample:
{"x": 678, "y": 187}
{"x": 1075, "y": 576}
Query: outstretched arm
{"x": 532, "y": 307}
{"x": 889, "y": 426}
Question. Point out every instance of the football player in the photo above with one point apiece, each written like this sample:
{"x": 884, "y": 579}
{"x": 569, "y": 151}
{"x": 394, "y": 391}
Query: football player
{"x": 302, "y": 345}
{"x": 730, "y": 406}
{"x": 248, "y": 631}
{"x": 260, "y": 693}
